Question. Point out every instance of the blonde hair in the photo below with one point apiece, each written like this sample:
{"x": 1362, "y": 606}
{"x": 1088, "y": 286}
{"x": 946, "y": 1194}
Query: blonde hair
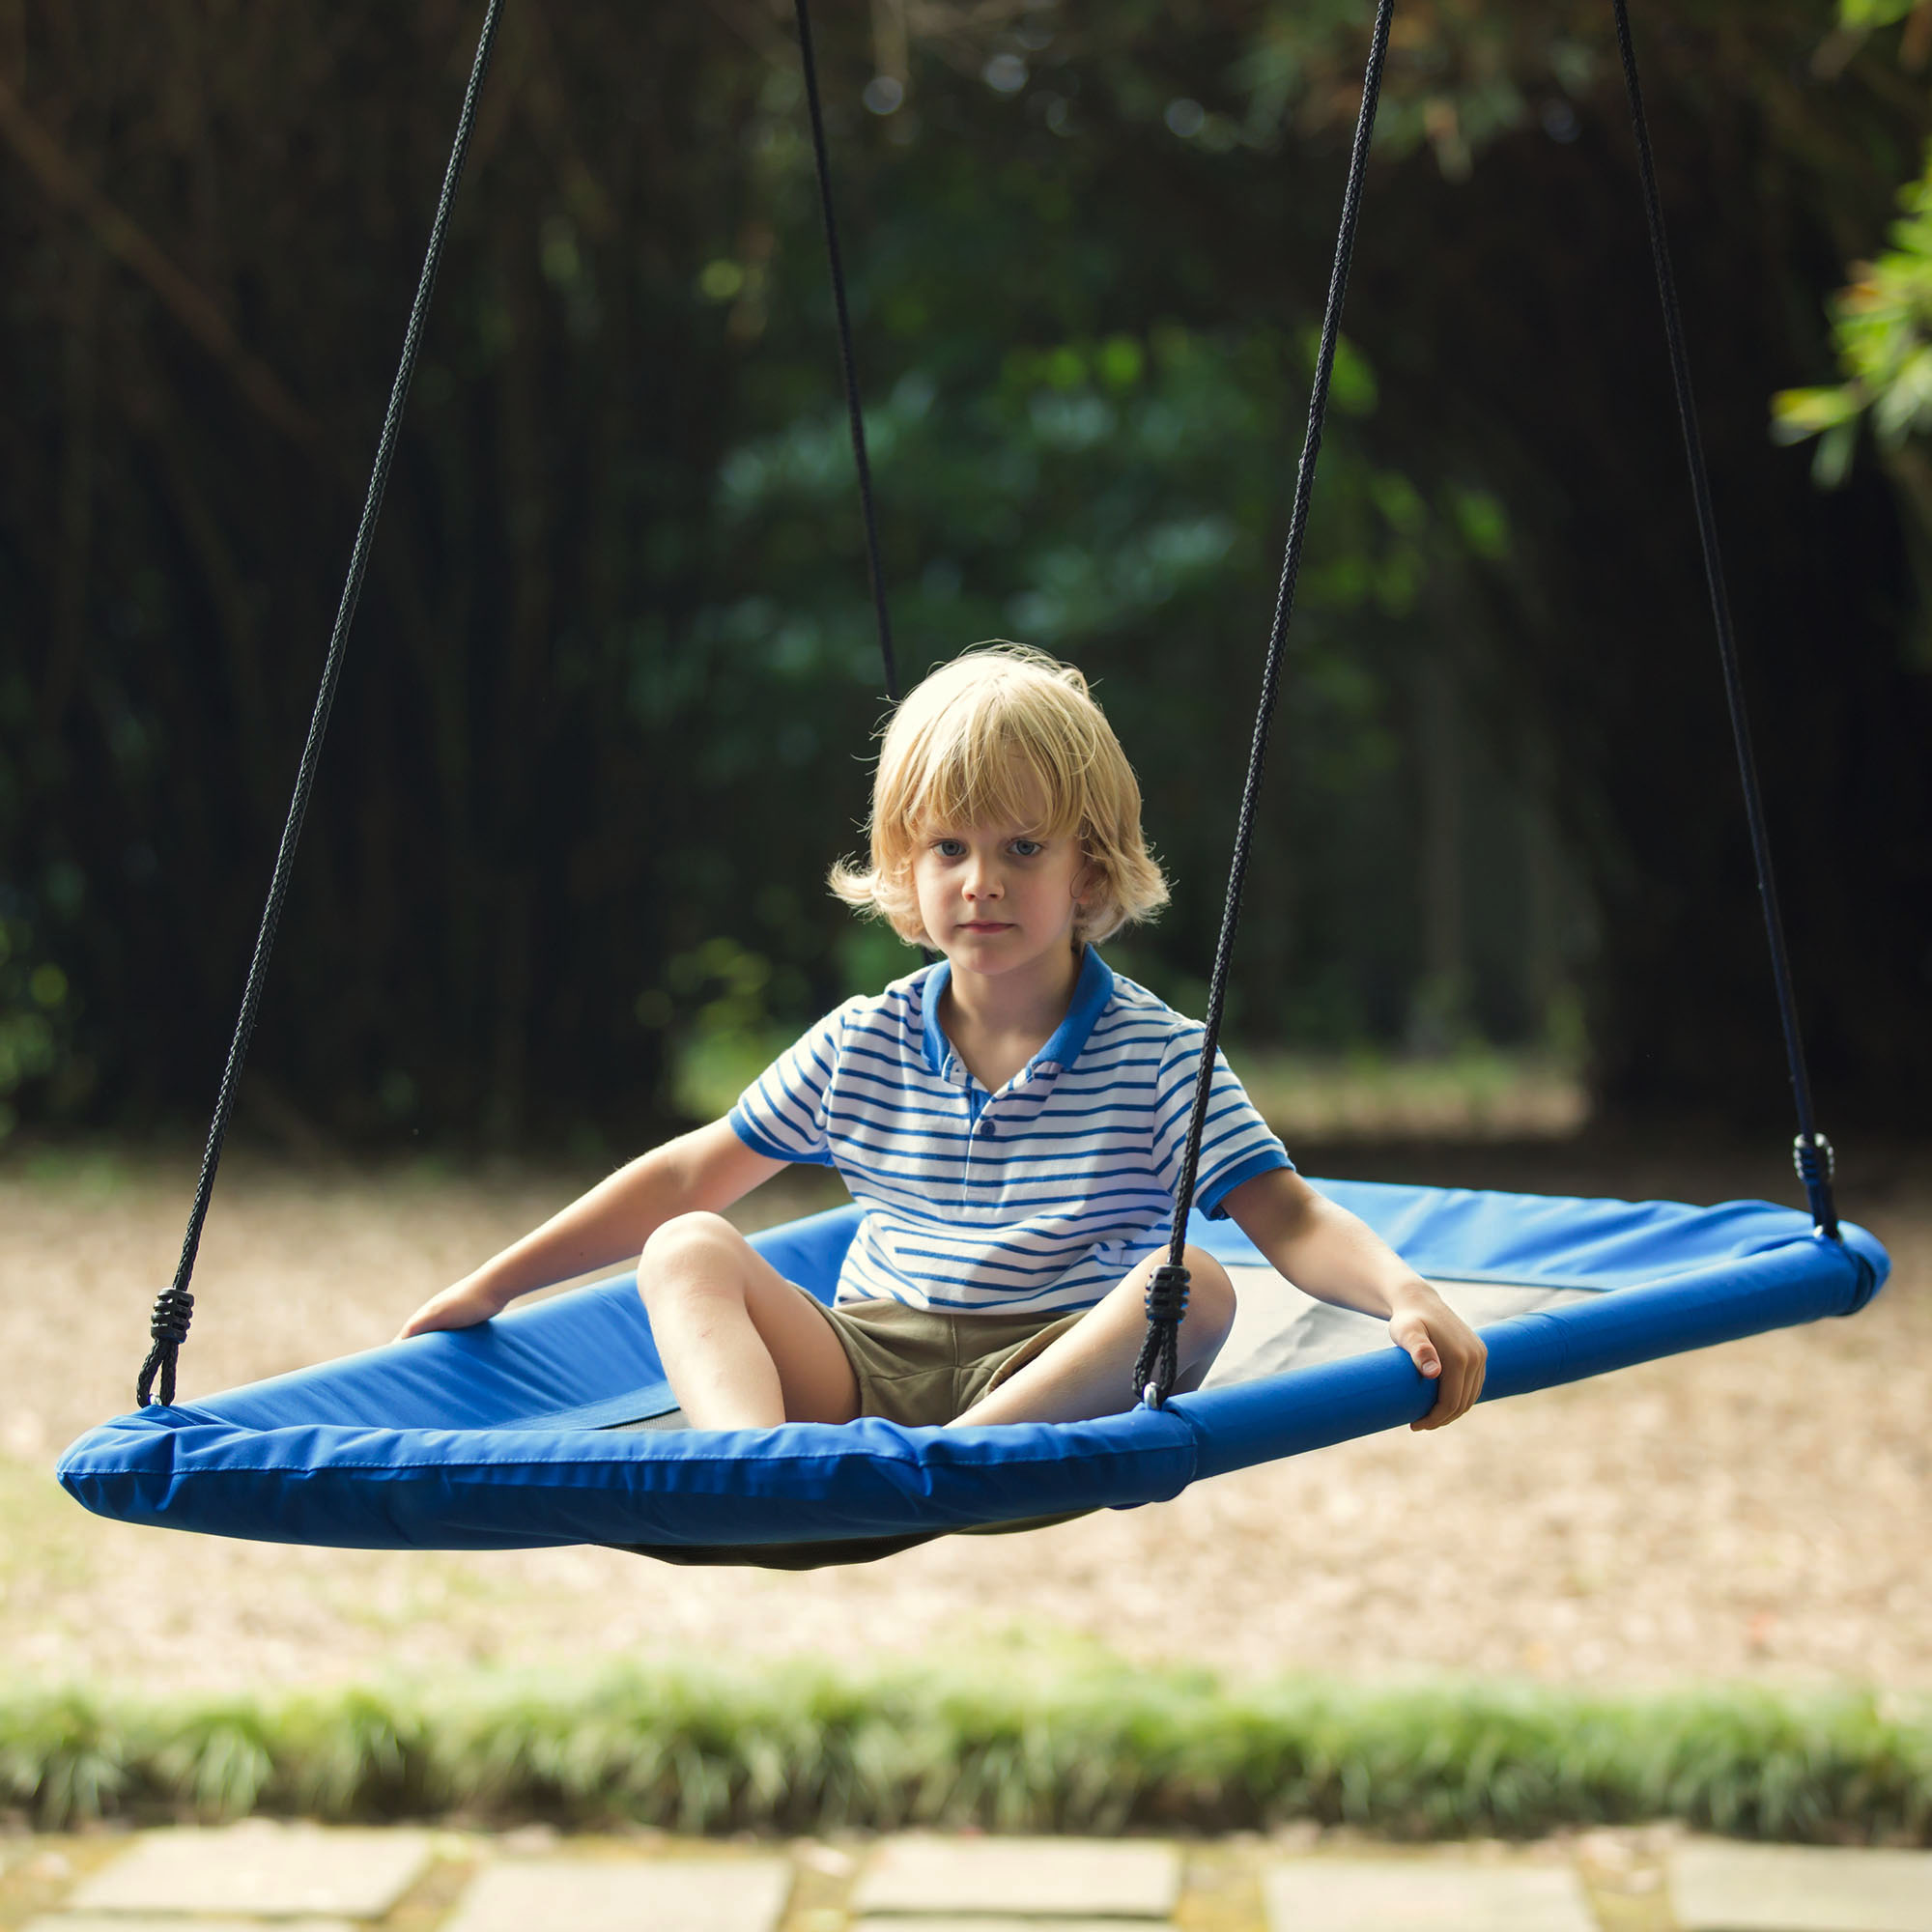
{"x": 1006, "y": 735}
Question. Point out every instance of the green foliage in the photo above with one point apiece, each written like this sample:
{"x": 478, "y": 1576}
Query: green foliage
{"x": 734, "y": 996}
{"x": 38, "y": 1010}
{"x": 1122, "y": 492}
{"x": 613, "y": 670}
{"x": 612, "y": 676}
{"x": 1460, "y": 77}
{"x": 1882, "y": 328}
{"x": 1022, "y": 1746}
{"x": 1867, "y": 14}
{"x": 1107, "y": 474}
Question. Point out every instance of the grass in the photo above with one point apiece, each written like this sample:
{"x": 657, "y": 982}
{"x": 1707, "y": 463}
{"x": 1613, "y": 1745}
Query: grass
{"x": 1099, "y": 1748}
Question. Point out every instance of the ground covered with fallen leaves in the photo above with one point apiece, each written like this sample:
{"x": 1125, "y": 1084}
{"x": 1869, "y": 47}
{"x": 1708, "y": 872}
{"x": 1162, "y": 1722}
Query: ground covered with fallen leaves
{"x": 1755, "y": 1511}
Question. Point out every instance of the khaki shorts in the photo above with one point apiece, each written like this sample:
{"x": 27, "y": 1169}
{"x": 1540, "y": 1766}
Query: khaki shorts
{"x": 921, "y": 1368}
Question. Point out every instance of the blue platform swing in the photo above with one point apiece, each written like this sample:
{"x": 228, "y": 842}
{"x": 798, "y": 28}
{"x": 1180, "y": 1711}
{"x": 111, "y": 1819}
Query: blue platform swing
{"x": 553, "y": 1425}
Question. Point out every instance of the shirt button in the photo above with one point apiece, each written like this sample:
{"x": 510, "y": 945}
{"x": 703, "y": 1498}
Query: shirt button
{"x": 987, "y": 1132}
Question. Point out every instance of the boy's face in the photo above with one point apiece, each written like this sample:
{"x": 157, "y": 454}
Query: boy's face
{"x": 994, "y": 898}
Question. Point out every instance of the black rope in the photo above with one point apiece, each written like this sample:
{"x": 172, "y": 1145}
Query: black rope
{"x": 175, "y": 1306}
{"x": 1812, "y": 1155}
{"x": 1155, "y": 1370}
{"x": 854, "y": 415}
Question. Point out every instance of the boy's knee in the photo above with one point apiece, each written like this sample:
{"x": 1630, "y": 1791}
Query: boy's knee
{"x": 677, "y": 1244}
{"x": 1211, "y": 1296}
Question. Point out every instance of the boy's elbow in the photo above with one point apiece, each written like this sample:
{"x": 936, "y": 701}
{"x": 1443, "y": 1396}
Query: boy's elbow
{"x": 1273, "y": 1206}
{"x": 713, "y": 1167}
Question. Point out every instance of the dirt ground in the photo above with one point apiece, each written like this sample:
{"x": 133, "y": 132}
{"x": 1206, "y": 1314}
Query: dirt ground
{"x": 1757, "y": 1511}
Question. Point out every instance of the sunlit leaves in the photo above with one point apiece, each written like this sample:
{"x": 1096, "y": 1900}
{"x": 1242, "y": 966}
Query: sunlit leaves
{"x": 1874, "y": 13}
{"x": 1882, "y": 328}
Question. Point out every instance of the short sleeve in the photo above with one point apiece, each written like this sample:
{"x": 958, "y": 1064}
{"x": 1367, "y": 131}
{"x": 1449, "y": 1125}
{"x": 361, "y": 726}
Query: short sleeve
{"x": 783, "y": 1114}
{"x": 1236, "y": 1142}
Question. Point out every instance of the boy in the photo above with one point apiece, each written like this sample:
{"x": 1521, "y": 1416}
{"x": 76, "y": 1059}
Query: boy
{"x": 1012, "y": 1119}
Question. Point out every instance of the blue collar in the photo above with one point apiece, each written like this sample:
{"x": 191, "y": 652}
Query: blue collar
{"x": 1092, "y": 991}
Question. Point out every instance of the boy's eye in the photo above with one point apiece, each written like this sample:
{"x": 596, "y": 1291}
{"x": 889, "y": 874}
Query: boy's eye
{"x": 1021, "y": 848}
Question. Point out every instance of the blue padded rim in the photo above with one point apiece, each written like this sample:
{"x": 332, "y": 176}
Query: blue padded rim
{"x": 497, "y": 1436}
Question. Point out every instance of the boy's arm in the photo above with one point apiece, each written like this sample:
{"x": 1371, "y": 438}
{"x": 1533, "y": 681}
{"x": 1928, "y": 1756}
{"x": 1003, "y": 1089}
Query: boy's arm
{"x": 1325, "y": 1250}
{"x": 708, "y": 1169}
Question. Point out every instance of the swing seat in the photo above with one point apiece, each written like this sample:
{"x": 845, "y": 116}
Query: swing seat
{"x": 552, "y": 1425}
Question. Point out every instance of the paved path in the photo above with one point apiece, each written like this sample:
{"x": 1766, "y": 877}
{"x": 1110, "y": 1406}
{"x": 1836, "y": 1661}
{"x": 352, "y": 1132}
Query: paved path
{"x": 265, "y": 1877}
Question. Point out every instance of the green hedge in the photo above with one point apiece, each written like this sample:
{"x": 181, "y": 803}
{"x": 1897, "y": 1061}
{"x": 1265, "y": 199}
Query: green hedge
{"x": 1098, "y": 1749}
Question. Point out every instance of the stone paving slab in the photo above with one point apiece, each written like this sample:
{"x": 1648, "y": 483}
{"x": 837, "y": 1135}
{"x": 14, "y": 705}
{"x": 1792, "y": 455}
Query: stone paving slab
{"x": 1430, "y": 1895}
{"x": 260, "y": 1870}
{"x": 1725, "y": 1887}
{"x": 979, "y": 1923}
{"x": 146, "y": 1922}
{"x": 627, "y": 1895}
{"x": 1020, "y": 1877}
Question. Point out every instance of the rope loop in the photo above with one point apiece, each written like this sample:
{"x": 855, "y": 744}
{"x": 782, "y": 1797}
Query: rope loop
{"x": 1816, "y": 1162}
{"x": 174, "y": 1310}
{"x": 1158, "y": 1364}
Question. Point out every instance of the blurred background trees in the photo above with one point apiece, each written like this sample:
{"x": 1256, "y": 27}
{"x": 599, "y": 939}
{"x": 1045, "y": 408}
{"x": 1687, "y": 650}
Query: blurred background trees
{"x": 611, "y": 691}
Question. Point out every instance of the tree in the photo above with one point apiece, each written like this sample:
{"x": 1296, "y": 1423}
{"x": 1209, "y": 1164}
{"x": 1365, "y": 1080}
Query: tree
{"x": 597, "y": 739}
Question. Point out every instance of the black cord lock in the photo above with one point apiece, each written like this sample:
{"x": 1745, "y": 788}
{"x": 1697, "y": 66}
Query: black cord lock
{"x": 174, "y": 1310}
{"x": 1815, "y": 1159}
{"x": 1167, "y": 1293}
{"x": 1817, "y": 1165}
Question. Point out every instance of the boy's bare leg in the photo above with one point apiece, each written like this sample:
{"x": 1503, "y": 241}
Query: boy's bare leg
{"x": 1086, "y": 1371}
{"x": 742, "y": 1347}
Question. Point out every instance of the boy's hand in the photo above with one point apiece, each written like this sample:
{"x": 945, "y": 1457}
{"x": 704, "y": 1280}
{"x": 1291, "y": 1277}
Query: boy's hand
{"x": 463, "y": 1306}
{"x": 1443, "y": 1347}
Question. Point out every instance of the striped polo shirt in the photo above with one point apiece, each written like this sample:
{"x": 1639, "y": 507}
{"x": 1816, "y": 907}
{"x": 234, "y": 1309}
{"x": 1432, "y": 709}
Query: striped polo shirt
{"x": 1036, "y": 1197}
